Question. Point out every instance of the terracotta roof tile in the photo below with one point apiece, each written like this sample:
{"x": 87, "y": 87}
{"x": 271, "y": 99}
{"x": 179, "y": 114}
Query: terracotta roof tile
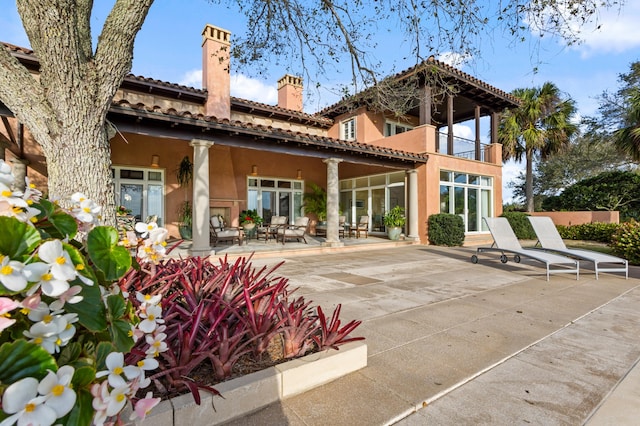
{"x": 274, "y": 131}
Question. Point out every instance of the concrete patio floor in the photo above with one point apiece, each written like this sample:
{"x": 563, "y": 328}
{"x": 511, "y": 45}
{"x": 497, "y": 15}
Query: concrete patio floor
{"x": 450, "y": 342}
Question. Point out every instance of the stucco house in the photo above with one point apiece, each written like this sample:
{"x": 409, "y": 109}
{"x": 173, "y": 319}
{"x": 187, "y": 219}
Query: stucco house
{"x": 252, "y": 155}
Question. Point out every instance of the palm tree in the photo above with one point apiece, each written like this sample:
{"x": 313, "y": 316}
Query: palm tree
{"x": 627, "y": 139}
{"x": 542, "y": 125}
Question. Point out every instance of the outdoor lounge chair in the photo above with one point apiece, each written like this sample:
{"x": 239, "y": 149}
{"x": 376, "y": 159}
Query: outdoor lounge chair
{"x": 220, "y": 233}
{"x": 505, "y": 241}
{"x": 550, "y": 241}
{"x": 297, "y": 230}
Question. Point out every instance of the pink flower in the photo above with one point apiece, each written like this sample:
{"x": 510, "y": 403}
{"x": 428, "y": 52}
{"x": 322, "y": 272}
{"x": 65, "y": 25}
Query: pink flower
{"x": 6, "y": 305}
{"x": 144, "y": 406}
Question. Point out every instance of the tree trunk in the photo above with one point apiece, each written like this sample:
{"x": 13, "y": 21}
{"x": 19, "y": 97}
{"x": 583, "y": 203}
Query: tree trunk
{"x": 528, "y": 188}
{"x": 80, "y": 162}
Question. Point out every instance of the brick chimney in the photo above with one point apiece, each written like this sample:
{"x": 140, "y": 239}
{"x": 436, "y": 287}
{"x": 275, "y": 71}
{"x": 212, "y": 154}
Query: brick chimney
{"x": 290, "y": 92}
{"x": 216, "y": 46}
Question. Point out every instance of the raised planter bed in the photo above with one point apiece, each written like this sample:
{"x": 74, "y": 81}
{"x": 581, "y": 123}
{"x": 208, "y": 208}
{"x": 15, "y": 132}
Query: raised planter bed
{"x": 254, "y": 391}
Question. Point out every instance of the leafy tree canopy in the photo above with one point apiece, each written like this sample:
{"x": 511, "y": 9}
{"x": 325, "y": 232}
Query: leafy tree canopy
{"x": 617, "y": 190}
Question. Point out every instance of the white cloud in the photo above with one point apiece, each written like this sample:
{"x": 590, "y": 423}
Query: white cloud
{"x": 612, "y": 30}
{"x": 463, "y": 131}
{"x": 192, "y": 78}
{"x": 255, "y": 90}
{"x": 454, "y": 59}
{"x": 617, "y": 32}
{"x": 510, "y": 171}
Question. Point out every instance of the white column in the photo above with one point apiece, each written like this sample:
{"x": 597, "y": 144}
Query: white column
{"x": 333, "y": 203}
{"x": 201, "y": 245}
{"x": 19, "y": 169}
{"x": 413, "y": 232}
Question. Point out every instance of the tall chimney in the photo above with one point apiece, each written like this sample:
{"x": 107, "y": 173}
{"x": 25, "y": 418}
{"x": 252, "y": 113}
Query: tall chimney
{"x": 290, "y": 92}
{"x": 215, "y": 71}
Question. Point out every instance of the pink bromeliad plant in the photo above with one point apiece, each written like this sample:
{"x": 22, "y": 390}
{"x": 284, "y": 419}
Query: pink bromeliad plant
{"x": 65, "y": 326}
{"x": 217, "y": 314}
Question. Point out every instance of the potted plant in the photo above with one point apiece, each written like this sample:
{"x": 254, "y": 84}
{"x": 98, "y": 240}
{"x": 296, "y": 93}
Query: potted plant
{"x": 185, "y": 222}
{"x": 394, "y": 221}
{"x": 184, "y": 175}
{"x": 249, "y": 219}
{"x": 315, "y": 202}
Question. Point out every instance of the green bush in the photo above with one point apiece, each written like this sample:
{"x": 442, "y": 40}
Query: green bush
{"x": 520, "y": 225}
{"x": 446, "y": 229}
{"x": 598, "y": 231}
{"x": 626, "y": 242}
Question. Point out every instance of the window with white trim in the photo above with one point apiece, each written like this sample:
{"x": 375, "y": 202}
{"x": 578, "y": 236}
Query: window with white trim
{"x": 469, "y": 196}
{"x": 140, "y": 190}
{"x": 275, "y": 197}
{"x": 348, "y": 129}
{"x": 393, "y": 128}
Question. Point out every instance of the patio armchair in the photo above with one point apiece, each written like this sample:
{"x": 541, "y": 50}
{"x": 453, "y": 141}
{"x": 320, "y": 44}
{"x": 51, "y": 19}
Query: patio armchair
{"x": 342, "y": 225}
{"x": 220, "y": 233}
{"x": 297, "y": 230}
{"x": 361, "y": 226}
{"x": 270, "y": 230}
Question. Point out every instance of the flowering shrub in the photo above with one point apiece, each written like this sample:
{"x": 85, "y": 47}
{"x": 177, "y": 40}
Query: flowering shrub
{"x": 65, "y": 328}
{"x": 626, "y": 241}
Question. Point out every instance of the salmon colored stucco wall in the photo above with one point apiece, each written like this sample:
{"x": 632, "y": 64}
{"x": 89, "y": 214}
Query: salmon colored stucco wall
{"x": 578, "y": 218}
{"x": 229, "y": 169}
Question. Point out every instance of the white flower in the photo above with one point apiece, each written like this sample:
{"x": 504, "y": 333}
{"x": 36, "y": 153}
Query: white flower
{"x": 156, "y": 344}
{"x": 145, "y": 228}
{"x": 115, "y": 366}
{"x": 11, "y": 276}
{"x": 117, "y": 400}
{"x": 147, "y": 299}
{"x": 21, "y": 401}
{"x": 45, "y": 335}
{"x": 40, "y": 273}
{"x": 152, "y": 315}
{"x": 56, "y": 388}
{"x": 6, "y": 176}
{"x": 53, "y": 253}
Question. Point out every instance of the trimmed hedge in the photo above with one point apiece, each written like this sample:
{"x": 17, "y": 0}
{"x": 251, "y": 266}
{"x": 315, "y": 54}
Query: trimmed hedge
{"x": 446, "y": 229}
{"x": 597, "y": 231}
{"x": 626, "y": 242}
{"x": 520, "y": 225}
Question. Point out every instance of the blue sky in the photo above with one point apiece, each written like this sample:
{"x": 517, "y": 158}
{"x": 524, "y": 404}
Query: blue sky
{"x": 168, "y": 48}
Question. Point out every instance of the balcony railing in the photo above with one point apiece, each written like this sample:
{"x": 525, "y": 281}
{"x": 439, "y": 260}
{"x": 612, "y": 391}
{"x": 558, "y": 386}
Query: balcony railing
{"x": 463, "y": 148}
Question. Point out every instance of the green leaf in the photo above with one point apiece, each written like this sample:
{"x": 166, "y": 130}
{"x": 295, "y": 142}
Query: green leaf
{"x": 70, "y": 353}
{"x": 113, "y": 260}
{"x": 116, "y": 306}
{"x": 104, "y": 349}
{"x": 22, "y": 359}
{"x": 83, "y": 377}
{"x": 65, "y": 224}
{"x": 17, "y": 238}
{"x": 120, "y": 330}
{"x": 82, "y": 412}
{"x": 91, "y": 310}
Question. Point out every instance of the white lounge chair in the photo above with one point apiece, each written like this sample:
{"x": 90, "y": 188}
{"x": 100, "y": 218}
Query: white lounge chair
{"x": 505, "y": 241}
{"x": 550, "y": 240}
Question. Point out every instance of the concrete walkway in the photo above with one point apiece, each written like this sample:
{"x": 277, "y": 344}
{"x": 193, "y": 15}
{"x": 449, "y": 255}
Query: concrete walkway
{"x": 451, "y": 342}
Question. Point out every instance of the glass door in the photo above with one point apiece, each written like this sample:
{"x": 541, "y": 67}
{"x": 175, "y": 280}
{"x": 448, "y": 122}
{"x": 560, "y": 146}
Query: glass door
{"x": 377, "y": 209}
{"x": 361, "y": 207}
{"x": 131, "y": 196}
